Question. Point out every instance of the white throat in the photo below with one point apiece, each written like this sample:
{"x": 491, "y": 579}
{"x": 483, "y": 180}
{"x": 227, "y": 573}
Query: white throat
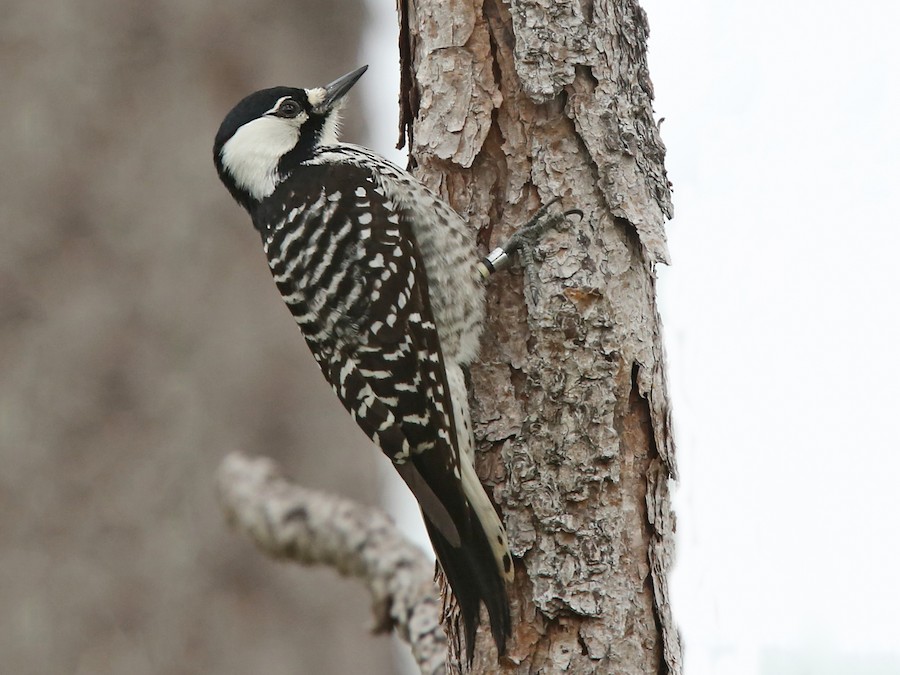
{"x": 331, "y": 128}
{"x": 251, "y": 156}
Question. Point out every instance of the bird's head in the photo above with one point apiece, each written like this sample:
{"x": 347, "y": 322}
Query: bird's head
{"x": 272, "y": 130}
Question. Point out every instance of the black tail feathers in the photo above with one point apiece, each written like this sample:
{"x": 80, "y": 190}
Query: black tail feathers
{"x": 471, "y": 570}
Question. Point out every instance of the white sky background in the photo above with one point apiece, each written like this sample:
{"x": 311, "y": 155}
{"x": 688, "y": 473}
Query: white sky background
{"x": 782, "y": 324}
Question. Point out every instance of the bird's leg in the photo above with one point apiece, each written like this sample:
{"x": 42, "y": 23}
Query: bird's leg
{"x": 523, "y": 243}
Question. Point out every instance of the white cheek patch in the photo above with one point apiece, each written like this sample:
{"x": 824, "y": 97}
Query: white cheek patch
{"x": 251, "y": 156}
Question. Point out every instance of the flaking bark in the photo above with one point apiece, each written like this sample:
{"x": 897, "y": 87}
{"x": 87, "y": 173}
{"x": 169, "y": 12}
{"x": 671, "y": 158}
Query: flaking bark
{"x": 505, "y": 107}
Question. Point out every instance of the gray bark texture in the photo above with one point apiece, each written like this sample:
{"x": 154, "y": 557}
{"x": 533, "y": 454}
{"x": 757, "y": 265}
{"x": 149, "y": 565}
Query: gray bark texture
{"x": 506, "y": 106}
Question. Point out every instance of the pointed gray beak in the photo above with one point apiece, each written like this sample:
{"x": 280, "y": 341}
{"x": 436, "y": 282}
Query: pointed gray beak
{"x": 336, "y": 90}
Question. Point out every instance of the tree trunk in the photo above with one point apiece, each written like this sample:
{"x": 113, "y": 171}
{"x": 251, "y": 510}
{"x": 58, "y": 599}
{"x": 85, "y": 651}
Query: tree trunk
{"x": 507, "y": 106}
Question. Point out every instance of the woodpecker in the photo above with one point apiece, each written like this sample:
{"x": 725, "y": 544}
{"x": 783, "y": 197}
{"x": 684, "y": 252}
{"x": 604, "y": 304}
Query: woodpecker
{"x": 383, "y": 280}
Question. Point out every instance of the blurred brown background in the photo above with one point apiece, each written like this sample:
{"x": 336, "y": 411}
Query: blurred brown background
{"x": 141, "y": 339}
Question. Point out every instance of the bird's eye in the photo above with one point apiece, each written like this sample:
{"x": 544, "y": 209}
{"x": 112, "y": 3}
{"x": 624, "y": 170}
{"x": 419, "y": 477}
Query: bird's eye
{"x": 289, "y": 109}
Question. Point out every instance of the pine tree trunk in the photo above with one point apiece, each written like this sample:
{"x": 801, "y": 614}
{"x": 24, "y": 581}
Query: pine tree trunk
{"x": 507, "y": 106}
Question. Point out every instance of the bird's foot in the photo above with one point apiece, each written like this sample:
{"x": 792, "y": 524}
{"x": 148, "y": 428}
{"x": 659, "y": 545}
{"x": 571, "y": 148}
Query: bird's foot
{"x": 523, "y": 243}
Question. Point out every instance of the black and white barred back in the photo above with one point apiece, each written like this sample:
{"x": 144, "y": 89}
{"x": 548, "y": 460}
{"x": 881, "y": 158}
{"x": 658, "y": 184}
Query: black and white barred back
{"x": 380, "y": 275}
{"x": 351, "y": 272}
